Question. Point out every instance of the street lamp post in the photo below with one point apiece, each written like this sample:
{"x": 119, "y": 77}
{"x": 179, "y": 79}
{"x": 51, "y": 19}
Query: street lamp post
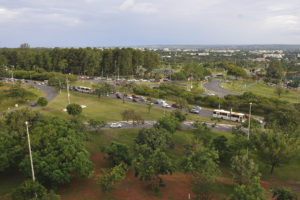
{"x": 29, "y": 147}
{"x": 249, "y": 123}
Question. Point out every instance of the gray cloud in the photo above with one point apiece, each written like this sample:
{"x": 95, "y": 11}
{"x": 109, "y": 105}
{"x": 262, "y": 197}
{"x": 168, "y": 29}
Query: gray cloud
{"x": 138, "y": 22}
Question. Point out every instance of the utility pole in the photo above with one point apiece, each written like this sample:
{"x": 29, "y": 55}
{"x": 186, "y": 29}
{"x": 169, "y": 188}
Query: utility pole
{"x": 248, "y": 135}
{"x": 12, "y": 74}
{"x": 29, "y": 147}
{"x": 68, "y": 90}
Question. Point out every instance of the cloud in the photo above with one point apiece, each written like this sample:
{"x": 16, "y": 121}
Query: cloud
{"x": 285, "y": 22}
{"x": 6, "y": 14}
{"x": 141, "y": 8}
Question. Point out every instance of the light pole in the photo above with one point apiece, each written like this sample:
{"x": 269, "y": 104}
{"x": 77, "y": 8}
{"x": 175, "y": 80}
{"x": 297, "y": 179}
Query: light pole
{"x": 29, "y": 147}
{"x": 249, "y": 123}
{"x": 68, "y": 90}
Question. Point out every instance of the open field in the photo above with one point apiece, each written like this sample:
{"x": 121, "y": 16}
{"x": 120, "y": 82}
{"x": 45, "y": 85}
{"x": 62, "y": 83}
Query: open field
{"x": 9, "y": 102}
{"x": 103, "y": 108}
{"x": 260, "y": 88}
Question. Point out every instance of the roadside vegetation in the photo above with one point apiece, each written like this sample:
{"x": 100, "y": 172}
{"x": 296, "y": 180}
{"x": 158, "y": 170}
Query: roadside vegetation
{"x": 12, "y": 94}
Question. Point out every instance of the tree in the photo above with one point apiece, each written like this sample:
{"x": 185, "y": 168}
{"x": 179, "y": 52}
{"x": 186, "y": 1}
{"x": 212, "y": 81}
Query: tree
{"x": 252, "y": 192}
{"x": 179, "y": 115}
{"x": 236, "y": 71}
{"x": 58, "y": 152}
{"x": 220, "y": 143}
{"x": 32, "y": 190}
{"x": 285, "y": 119}
{"x": 131, "y": 115}
{"x": 243, "y": 170}
{"x": 154, "y": 138}
{"x": 281, "y": 193}
{"x": 202, "y": 133}
{"x": 14, "y": 122}
{"x": 42, "y": 101}
{"x": 103, "y": 89}
{"x": 255, "y": 124}
{"x": 275, "y": 71}
{"x": 96, "y": 123}
{"x": 118, "y": 153}
{"x": 170, "y": 123}
{"x": 149, "y": 106}
{"x": 275, "y": 147}
{"x": 74, "y": 109}
{"x": 203, "y": 164}
{"x": 279, "y": 90}
{"x": 149, "y": 165}
{"x": 10, "y": 152}
{"x": 110, "y": 177}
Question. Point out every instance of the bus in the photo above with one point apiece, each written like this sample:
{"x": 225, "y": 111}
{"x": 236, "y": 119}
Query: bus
{"x": 228, "y": 115}
{"x": 83, "y": 89}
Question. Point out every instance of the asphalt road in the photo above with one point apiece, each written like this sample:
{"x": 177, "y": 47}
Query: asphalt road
{"x": 203, "y": 112}
{"x": 184, "y": 125}
{"x": 50, "y": 92}
{"x": 214, "y": 86}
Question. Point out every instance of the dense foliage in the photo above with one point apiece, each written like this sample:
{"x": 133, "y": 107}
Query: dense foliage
{"x": 57, "y": 147}
{"x": 87, "y": 61}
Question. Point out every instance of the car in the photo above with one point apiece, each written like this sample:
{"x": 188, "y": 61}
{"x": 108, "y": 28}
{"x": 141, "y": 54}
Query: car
{"x": 118, "y": 95}
{"x": 129, "y": 97}
{"x": 115, "y": 125}
{"x": 174, "y": 105}
{"x": 134, "y": 96}
{"x": 165, "y": 105}
{"x": 134, "y": 99}
{"x": 141, "y": 98}
{"x": 34, "y": 104}
{"x": 195, "y": 111}
{"x": 197, "y": 108}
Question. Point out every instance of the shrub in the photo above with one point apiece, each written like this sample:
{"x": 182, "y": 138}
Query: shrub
{"x": 74, "y": 109}
{"x": 42, "y": 101}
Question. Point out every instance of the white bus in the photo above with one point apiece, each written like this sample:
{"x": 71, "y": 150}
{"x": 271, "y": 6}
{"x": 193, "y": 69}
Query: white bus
{"x": 84, "y": 89}
{"x": 227, "y": 115}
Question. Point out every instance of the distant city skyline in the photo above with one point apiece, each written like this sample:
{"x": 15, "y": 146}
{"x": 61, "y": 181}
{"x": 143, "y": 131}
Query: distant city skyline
{"x": 99, "y": 23}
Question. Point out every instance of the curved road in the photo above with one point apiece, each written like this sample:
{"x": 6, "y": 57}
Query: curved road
{"x": 50, "y": 92}
{"x": 214, "y": 86}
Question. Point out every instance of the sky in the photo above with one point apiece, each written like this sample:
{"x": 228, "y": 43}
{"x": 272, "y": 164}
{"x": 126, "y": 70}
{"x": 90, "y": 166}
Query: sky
{"x": 98, "y": 23}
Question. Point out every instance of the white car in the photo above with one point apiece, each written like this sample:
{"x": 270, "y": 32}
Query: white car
{"x": 165, "y": 105}
{"x": 115, "y": 125}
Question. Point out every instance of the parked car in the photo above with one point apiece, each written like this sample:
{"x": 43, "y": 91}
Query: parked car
{"x": 135, "y": 100}
{"x": 129, "y": 97}
{"x": 165, "y": 105}
{"x": 134, "y": 96}
{"x": 115, "y": 125}
{"x": 141, "y": 98}
{"x": 174, "y": 105}
{"x": 34, "y": 104}
{"x": 195, "y": 111}
{"x": 160, "y": 102}
{"x": 197, "y": 108}
{"x": 118, "y": 95}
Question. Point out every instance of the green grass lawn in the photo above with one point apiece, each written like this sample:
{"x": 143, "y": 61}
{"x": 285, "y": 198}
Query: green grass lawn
{"x": 262, "y": 89}
{"x": 9, "y": 102}
{"x": 105, "y": 108}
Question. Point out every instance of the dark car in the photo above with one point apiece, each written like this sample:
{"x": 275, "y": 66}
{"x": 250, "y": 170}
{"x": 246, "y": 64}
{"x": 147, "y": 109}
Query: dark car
{"x": 134, "y": 99}
{"x": 118, "y": 95}
{"x": 174, "y": 105}
{"x": 34, "y": 104}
